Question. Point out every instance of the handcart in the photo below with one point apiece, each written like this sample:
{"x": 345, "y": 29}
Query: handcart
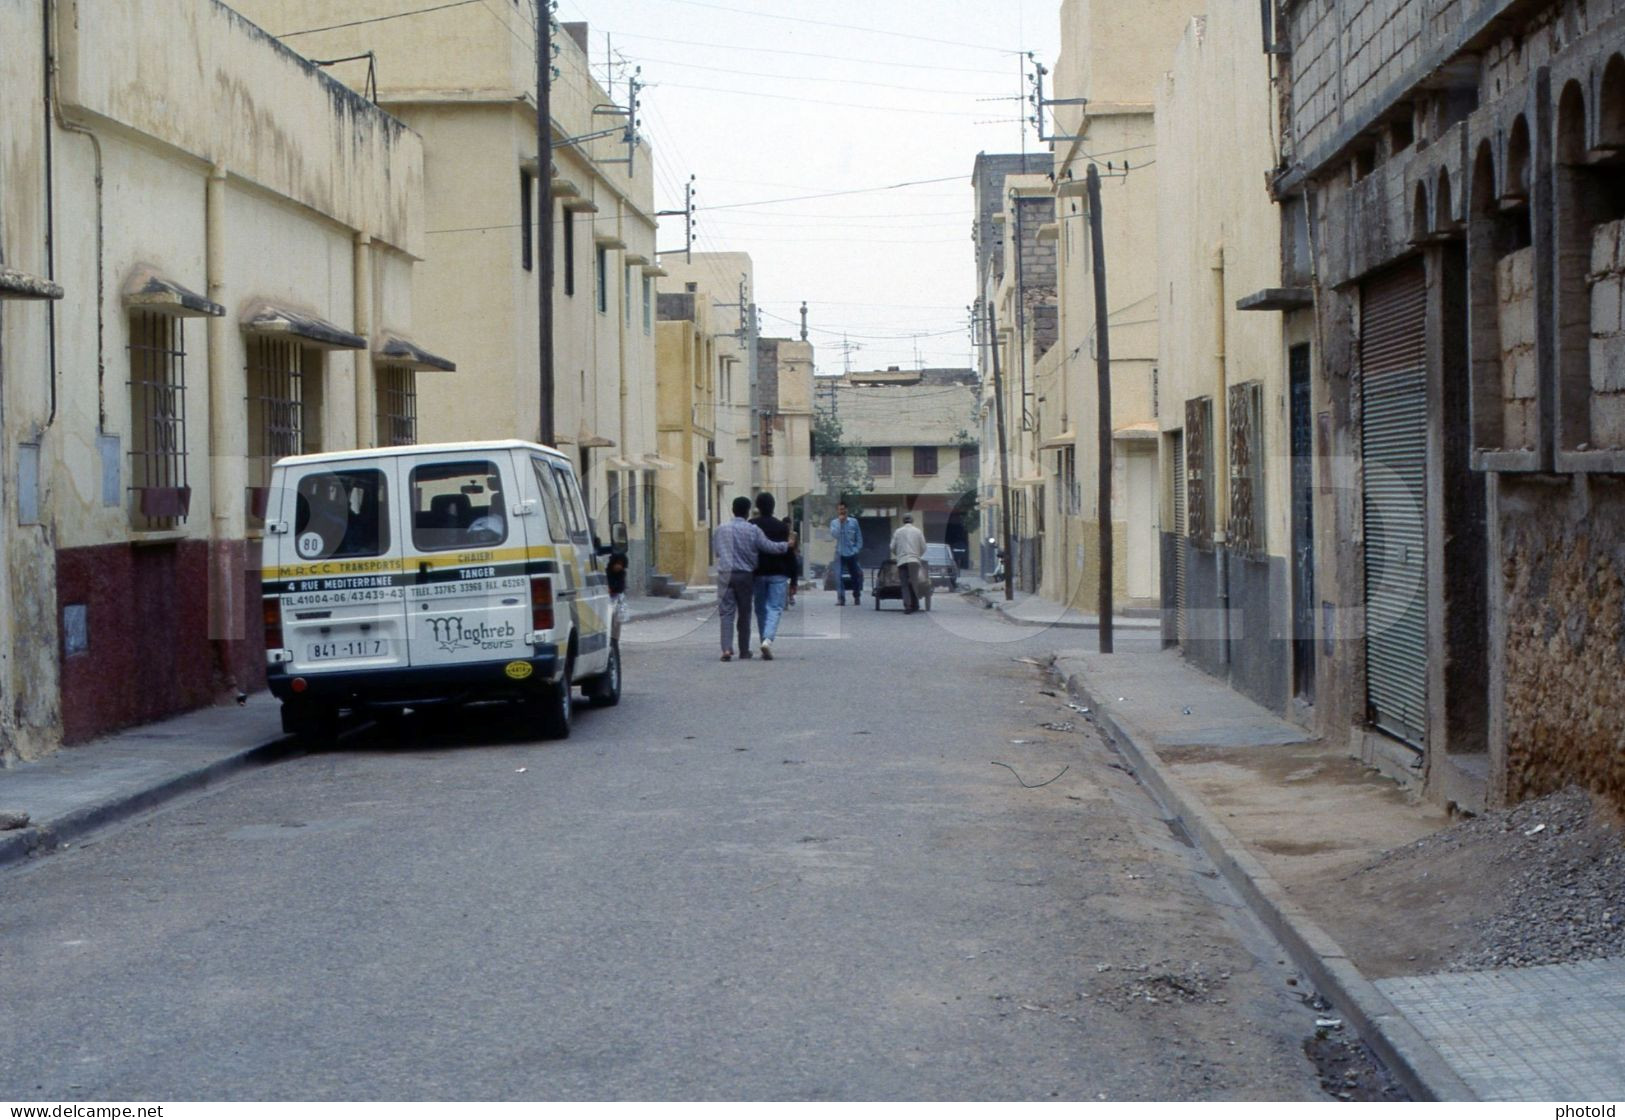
{"x": 887, "y": 583}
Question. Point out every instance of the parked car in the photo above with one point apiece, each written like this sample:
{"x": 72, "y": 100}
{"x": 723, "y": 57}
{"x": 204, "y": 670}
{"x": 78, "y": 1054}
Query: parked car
{"x": 944, "y": 569}
{"x": 406, "y": 576}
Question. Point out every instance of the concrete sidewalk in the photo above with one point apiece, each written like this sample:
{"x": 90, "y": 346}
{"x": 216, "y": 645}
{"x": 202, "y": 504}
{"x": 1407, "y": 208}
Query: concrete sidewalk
{"x": 1275, "y": 811}
{"x": 82, "y": 788}
{"x": 1035, "y": 610}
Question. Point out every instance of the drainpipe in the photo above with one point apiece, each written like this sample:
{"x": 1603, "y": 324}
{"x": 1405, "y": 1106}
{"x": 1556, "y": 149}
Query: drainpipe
{"x": 365, "y": 436}
{"x": 53, "y": 112}
{"x": 50, "y": 205}
{"x": 1216, "y": 441}
{"x": 227, "y": 478}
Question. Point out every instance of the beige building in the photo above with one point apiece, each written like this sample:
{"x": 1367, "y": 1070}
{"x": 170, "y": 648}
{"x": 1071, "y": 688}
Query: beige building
{"x": 761, "y": 430}
{"x": 465, "y": 79}
{"x": 727, "y": 282}
{"x": 1233, "y": 374}
{"x": 1111, "y": 58}
{"x": 690, "y": 371}
{"x": 236, "y": 279}
{"x": 912, "y": 428}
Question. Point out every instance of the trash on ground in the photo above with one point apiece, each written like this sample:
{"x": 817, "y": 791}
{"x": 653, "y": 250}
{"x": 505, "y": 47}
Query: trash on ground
{"x": 521, "y": 770}
{"x": 1532, "y": 831}
{"x": 1328, "y": 1024}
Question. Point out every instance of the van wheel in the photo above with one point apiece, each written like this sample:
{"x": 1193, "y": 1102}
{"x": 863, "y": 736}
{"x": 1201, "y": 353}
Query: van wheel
{"x": 604, "y": 690}
{"x": 557, "y": 704}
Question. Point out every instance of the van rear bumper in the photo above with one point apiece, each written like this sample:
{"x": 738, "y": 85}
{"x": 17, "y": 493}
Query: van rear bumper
{"x": 431, "y": 684}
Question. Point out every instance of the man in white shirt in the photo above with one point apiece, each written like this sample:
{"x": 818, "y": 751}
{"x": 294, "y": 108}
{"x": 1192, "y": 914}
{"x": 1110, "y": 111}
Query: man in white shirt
{"x": 908, "y": 549}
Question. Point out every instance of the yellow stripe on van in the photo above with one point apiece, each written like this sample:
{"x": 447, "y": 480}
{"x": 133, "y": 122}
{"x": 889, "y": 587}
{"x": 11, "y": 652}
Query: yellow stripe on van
{"x": 370, "y": 566}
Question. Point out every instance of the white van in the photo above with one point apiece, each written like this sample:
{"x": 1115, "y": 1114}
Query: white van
{"x": 405, "y": 576}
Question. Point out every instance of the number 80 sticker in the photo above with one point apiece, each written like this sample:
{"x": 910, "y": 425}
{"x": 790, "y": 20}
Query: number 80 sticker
{"x": 311, "y": 545}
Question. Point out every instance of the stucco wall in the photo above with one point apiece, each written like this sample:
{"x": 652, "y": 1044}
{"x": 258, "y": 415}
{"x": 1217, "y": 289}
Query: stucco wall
{"x": 1563, "y": 586}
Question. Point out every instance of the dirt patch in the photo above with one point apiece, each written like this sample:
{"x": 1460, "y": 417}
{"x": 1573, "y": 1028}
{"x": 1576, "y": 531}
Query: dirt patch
{"x": 1540, "y": 883}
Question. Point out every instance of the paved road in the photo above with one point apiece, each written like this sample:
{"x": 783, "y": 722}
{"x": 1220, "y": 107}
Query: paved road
{"x": 804, "y": 879}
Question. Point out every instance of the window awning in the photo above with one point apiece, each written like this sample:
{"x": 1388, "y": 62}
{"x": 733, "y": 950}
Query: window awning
{"x": 584, "y": 438}
{"x": 657, "y": 463}
{"x": 1277, "y": 299}
{"x": 1067, "y": 438}
{"x": 619, "y": 464}
{"x": 654, "y": 270}
{"x": 269, "y": 319}
{"x": 636, "y": 259}
{"x": 17, "y": 284}
{"x": 149, "y": 291}
{"x": 1145, "y": 429}
{"x": 1029, "y": 480}
{"x": 398, "y": 351}
{"x": 562, "y": 189}
{"x": 580, "y": 205}
{"x": 608, "y": 241}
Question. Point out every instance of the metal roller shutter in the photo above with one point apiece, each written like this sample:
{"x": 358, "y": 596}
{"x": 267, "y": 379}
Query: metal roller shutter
{"x": 1393, "y": 443}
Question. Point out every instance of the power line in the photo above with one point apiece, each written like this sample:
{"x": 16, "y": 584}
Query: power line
{"x": 909, "y": 35}
{"x": 885, "y": 62}
{"x": 836, "y": 194}
{"x": 804, "y": 77}
{"x": 813, "y": 100}
{"x": 378, "y": 19}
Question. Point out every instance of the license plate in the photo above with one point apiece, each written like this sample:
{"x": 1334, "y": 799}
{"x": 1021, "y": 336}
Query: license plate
{"x": 347, "y": 648}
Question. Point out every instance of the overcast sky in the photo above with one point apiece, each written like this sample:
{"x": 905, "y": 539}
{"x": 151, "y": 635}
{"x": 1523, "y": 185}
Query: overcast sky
{"x": 766, "y": 101}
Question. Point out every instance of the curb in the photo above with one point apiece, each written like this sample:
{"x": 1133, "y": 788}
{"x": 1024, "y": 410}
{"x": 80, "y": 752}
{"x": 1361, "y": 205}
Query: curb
{"x": 16, "y": 847}
{"x": 685, "y": 606}
{"x": 1409, "y": 1056}
{"x": 1119, "y": 622}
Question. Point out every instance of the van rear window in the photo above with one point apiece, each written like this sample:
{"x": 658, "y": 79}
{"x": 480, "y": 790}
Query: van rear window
{"x": 458, "y": 505}
{"x": 340, "y": 514}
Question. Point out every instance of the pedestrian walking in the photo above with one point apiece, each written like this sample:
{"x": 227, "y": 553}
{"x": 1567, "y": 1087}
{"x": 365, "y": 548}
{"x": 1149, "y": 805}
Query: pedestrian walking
{"x": 737, "y": 545}
{"x": 908, "y": 549}
{"x": 848, "y": 543}
{"x": 773, "y": 575}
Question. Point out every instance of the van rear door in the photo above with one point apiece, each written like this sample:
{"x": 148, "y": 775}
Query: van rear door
{"x": 337, "y": 566}
{"x": 469, "y": 599}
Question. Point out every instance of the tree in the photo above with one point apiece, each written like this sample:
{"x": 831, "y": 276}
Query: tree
{"x": 967, "y": 490}
{"x": 843, "y": 467}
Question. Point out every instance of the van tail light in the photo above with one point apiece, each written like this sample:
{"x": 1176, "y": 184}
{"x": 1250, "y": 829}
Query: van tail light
{"x": 541, "y": 603}
{"x": 273, "y": 622}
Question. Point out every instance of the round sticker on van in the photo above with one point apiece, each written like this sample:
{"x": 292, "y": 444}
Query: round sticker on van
{"x": 518, "y": 670}
{"x": 311, "y": 545}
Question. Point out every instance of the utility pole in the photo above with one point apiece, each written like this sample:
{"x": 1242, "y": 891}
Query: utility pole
{"x": 804, "y": 320}
{"x": 688, "y": 219}
{"x": 1103, "y": 389}
{"x": 544, "y": 186}
{"x": 1004, "y": 454}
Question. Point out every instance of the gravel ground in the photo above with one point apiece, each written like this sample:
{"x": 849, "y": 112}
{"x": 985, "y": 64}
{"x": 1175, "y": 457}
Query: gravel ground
{"x": 1566, "y": 855}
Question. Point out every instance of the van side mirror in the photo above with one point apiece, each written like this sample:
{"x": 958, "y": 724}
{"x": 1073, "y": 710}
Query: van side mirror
{"x": 617, "y": 537}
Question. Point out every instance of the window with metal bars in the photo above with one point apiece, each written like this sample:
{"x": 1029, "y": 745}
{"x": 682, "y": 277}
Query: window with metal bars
{"x": 161, "y": 495}
{"x": 925, "y": 461}
{"x": 1198, "y": 470}
{"x": 1246, "y": 416}
{"x": 527, "y": 237}
{"x": 284, "y": 411}
{"x": 397, "y": 389}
